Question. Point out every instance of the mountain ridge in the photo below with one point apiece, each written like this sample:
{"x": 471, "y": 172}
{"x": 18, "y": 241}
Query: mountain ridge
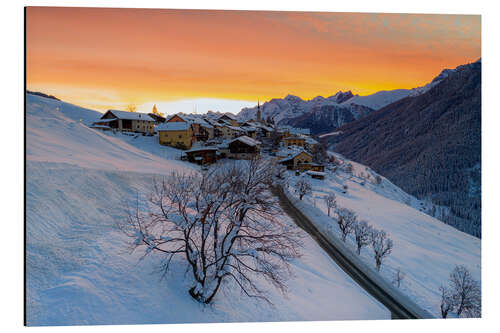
{"x": 324, "y": 114}
{"x": 428, "y": 144}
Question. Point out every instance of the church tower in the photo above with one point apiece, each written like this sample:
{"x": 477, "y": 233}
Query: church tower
{"x": 259, "y": 119}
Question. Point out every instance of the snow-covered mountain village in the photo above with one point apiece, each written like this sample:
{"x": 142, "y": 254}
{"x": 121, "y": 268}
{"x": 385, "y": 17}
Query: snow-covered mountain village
{"x": 78, "y": 156}
{"x": 362, "y": 205}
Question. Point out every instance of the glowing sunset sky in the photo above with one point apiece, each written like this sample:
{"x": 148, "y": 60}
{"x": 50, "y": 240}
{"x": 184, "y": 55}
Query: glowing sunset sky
{"x": 108, "y": 58}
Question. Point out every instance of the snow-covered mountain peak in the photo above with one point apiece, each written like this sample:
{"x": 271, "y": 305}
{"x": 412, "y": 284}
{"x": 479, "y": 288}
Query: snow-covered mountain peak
{"x": 293, "y": 98}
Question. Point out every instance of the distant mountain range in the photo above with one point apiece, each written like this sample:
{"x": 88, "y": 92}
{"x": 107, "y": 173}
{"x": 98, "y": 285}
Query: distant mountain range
{"x": 323, "y": 115}
{"x": 428, "y": 143}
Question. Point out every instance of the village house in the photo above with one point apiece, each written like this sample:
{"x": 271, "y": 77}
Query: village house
{"x": 205, "y": 130}
{"x": 244, "y": 148}
{"x": 230, "y": 119}
{"x": 202, "y": 130}
{"x": 216, "y": 127}
{"x": 230, "y": 132}
{"x": 202, "y": 155}
{"x": 287, "y": 131}
{"x": 299, "y": 160}
{"x": 177, "y": 118}
{"x": 176, "y": 134}
{"x": 125, "y": 121}
{"x": 250, "y": 131}
{"x": 264, "y": 130}
{"x": 298, "y": 141}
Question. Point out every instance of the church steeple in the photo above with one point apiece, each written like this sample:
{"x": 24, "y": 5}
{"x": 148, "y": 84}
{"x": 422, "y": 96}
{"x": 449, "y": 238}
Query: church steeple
{"x": 259, "y": 119}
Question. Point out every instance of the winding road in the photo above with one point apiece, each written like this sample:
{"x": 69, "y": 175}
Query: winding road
{"x": 399, "y": 309}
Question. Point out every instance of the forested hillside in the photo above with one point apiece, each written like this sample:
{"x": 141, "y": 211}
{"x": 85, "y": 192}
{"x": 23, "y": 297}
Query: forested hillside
{"x": 429, "y": 145}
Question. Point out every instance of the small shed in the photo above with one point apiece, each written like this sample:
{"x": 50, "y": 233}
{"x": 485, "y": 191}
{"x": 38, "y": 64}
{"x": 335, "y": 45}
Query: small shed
{"x": 317, "y": 167}
{"x": 316, "y": 174}
{"x": 202, "y": 155}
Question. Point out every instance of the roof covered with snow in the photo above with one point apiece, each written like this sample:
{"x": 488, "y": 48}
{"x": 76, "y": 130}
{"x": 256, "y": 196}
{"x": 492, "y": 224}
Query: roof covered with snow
{"x": 228, "y": 115}
{"x": 235, "y": 128}
{"x": 315, "y": 173}
{"x": 290, "y": 154}
{"x": 247, "y": 140}
{"x": 199, "y": 147}
{"x": 101, "y": 121}
{"x": 130, "y": 115}
{"x": 173, "y": 126}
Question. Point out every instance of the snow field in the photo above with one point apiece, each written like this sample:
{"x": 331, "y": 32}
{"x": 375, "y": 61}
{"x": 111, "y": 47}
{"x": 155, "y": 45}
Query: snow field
{"x": 425, "y": 249}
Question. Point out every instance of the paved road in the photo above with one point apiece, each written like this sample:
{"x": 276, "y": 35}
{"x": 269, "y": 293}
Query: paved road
{"x": 398, "y": 310}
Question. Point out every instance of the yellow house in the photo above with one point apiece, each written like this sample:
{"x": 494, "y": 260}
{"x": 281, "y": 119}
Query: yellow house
{"x": 176, "y": 134}
{"x": 294, "y": 141}
{"x": 301, "y": 160}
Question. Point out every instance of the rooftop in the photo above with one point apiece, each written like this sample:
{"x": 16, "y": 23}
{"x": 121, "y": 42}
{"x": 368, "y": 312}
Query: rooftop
{"x": 247, "y": 140}
{"x": 174, "y": 126}
{"x": 130, "y": 115}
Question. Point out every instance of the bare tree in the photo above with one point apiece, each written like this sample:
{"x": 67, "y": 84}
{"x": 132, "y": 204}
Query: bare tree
{"x": 346, "y": 219}
{"x": 131, "y": 108}
{"x": 331, "y": 202}
{"x": 398, "y": 277}
{"x": 466, "y": 293}
{"x": 224, "y": 225}
{"x": 303, "y": 187}
{"x": 447, "y": 303}
{"x": 381, "y": 245}
{"x": 362, "y": 234}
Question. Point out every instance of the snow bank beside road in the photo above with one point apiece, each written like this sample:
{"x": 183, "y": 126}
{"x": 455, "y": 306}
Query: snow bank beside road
{"x": 425, "y": 249}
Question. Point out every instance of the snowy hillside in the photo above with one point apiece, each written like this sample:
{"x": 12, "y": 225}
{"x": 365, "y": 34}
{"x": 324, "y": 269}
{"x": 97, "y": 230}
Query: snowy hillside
{"x": 425, "y": 249}
{"x": 54, "y": 109}
{"x": 379, "y": 99}
{"x": 55, "y": 134}
{"x": 79, "y": 269}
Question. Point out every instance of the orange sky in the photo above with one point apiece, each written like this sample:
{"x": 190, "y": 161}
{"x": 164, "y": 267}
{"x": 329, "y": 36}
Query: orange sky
{"x": 108, "y": 58}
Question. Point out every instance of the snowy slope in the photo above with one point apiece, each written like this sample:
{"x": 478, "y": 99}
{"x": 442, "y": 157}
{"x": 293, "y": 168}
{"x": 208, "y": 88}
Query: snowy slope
{"x": 52, "y": 109}
{"x": 425, "y": 249}
{"x": 379, "y": 99}
{"x": 57, "y": 135}
{"x": 79, "y": 270}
